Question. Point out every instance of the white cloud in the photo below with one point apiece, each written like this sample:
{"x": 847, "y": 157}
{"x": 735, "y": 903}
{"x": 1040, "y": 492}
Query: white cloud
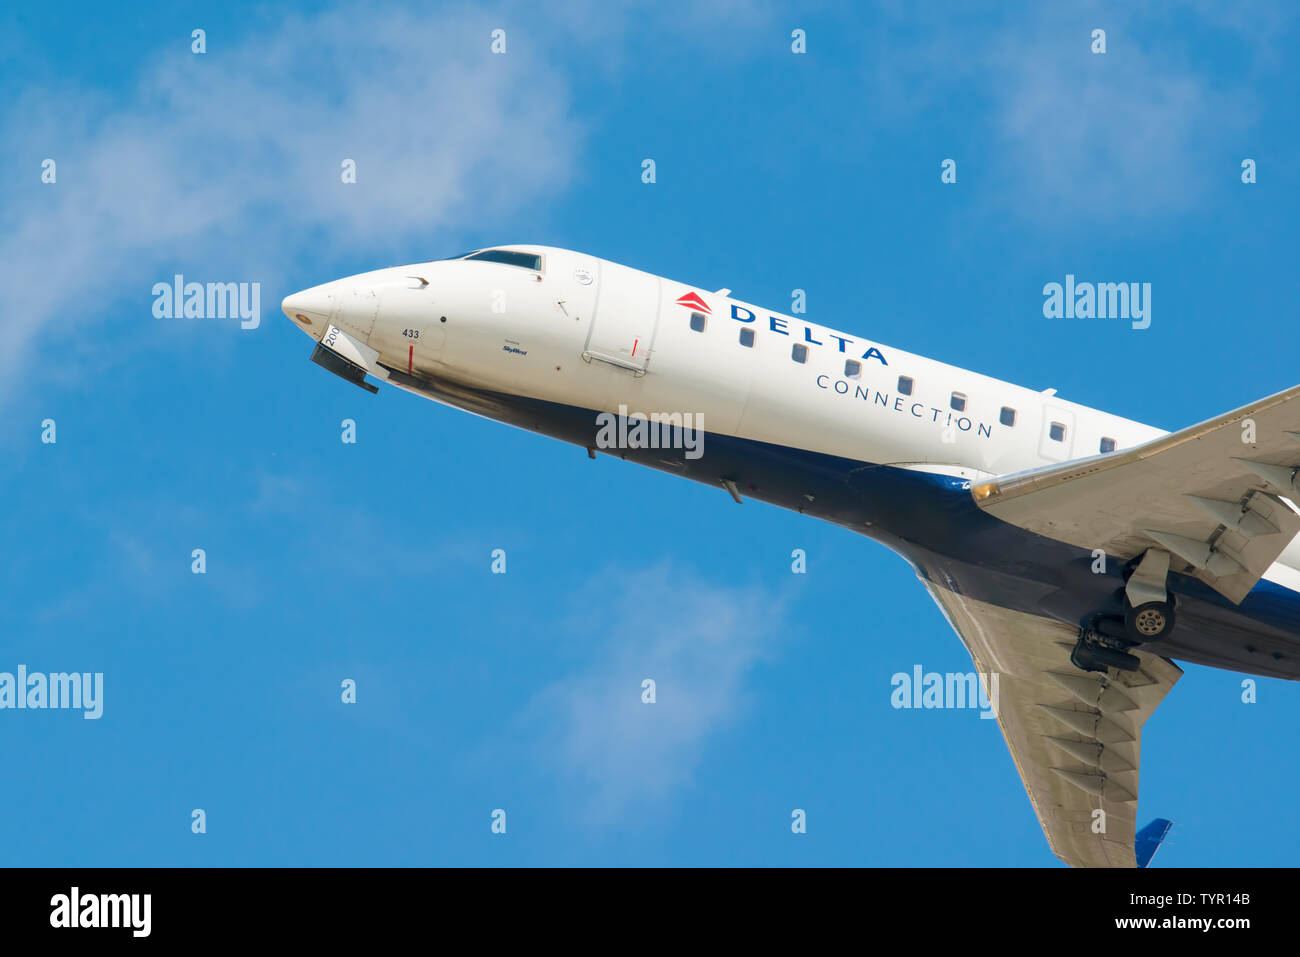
{"x": 228, "y": 163}
{"x": 697, "y": 640}
{"x": 1070, "y": 135}
{"x": 1107, "y": 136}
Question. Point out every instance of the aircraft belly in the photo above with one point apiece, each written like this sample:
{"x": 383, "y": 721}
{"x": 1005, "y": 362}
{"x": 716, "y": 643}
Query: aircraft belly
{"x": 932, "y": 521}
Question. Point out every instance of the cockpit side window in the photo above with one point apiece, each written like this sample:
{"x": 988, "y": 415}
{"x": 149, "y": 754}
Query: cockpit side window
{"x": 508, "y": 257}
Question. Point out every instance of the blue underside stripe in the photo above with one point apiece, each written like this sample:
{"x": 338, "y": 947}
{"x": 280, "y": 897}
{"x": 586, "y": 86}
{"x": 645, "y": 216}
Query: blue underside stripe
{"x": 931, "y": 520}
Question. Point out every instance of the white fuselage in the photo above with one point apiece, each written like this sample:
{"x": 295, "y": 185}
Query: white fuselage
{"x": 540, "y": 334}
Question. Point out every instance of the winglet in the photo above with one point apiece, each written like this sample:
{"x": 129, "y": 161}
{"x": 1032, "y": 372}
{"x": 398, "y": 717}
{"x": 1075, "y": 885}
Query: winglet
{"x": 1149, "y": 838}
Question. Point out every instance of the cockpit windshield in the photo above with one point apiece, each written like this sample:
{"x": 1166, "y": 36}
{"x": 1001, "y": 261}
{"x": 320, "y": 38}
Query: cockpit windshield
{"x": 508, "y": 257}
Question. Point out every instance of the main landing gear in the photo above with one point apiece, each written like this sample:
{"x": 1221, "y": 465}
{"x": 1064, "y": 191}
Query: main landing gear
{"x": 1105, "y": 640}
{"x": 1103, "y": 643}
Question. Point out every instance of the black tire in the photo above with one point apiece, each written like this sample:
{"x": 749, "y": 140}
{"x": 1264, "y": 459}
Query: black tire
{"x": 1111, "y": 626}
{"x": 1093, "y": 657}
{"x": 1149, "y": 621}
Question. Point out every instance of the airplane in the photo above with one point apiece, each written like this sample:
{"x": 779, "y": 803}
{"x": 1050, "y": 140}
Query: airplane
{"x": 1075, "y": 553}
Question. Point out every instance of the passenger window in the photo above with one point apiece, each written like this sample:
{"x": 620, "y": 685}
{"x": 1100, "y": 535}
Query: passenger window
{"x": 799, "y": 353}
{"x": 1057, "y": 432}
{"x": 698, "y": 321}
{"x": 1008, "y": 415}
{"x": 852, "y": 369}
{"x": 1108, "y": 445}
{"x": 747, "y": 337}
{"x": 958, "y": 402}
{"x": 905, "y": 385}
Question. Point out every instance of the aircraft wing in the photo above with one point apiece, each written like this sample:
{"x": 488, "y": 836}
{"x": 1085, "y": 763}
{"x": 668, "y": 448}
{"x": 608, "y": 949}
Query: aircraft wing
{"x": 1075, "y": 736}
{"x": 1212, "y": 496}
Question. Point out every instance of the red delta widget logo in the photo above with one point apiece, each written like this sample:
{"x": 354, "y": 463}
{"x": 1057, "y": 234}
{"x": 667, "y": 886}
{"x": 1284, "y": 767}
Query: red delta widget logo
{"x": 692, "y": 300}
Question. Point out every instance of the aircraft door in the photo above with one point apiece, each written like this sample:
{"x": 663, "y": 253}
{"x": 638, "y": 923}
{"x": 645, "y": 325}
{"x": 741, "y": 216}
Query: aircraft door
{"x": 622, "y": 330}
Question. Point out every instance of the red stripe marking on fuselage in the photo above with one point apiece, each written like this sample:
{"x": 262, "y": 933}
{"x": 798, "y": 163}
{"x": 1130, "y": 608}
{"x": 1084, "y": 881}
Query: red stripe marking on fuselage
{"x": 634, "y": 342}
{"x": 410, "y": 359}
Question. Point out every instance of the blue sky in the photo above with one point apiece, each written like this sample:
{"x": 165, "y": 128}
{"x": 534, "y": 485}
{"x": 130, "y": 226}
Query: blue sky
{"x": 371, "y": 561}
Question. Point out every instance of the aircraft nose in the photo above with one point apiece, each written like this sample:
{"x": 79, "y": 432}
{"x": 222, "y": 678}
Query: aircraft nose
{"x": 310, "y": 308}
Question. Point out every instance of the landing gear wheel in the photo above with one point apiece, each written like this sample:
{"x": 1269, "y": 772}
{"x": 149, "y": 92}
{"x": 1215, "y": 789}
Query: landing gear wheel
{"x": 1149, "y": 621}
